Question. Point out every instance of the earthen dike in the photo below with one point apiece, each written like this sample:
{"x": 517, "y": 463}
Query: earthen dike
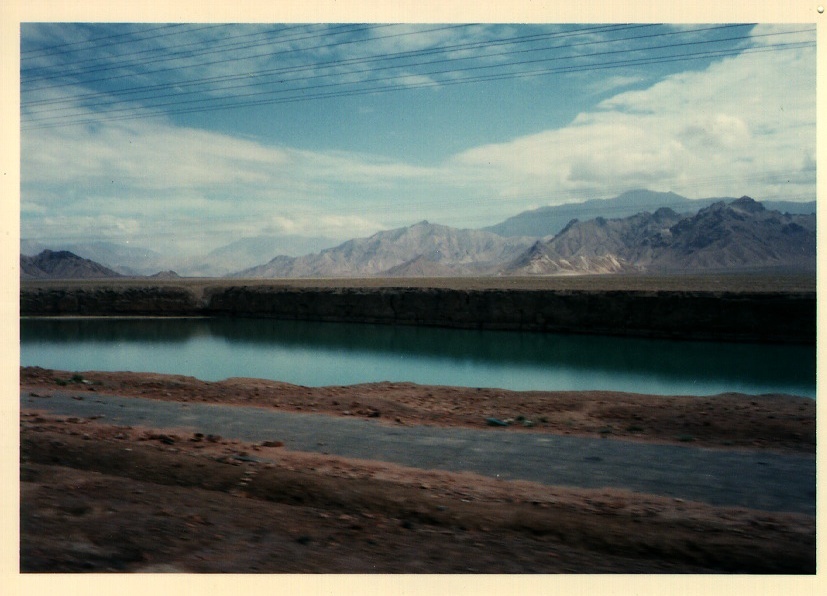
{"x": 745, "y": 309}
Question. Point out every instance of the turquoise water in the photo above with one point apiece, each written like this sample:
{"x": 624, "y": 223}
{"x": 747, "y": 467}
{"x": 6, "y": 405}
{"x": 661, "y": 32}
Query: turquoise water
{"x": 317, "y": 354}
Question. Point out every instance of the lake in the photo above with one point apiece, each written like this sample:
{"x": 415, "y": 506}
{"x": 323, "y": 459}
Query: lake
{"x": 318, "y": 354}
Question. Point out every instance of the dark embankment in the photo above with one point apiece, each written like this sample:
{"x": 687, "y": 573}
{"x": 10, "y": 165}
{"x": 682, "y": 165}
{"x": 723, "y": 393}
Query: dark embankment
{"x": 787, "y": 316}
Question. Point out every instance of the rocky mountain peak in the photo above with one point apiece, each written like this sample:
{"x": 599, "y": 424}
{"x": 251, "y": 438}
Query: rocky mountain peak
{"x": 165, "y": 275}
{"x": 664, "y": 213}
{"x": 421, "y": 249}
{"x": 739, "y": 235}
{"x": 56, "y": 255}
{"x": 62, "y": 264}
{"x": 747, "y": 204}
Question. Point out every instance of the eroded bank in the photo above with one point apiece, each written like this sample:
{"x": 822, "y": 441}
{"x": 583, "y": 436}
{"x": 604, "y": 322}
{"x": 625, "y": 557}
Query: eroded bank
{"x": 762, "y": 316}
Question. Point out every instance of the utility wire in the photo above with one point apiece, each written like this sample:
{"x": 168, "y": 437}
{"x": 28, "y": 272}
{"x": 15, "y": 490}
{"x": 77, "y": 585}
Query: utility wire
{"x": 132, "y": 53}
{"x": 60, "y": 49}
{"x": 268, "y": 54}
{"x": 386, "y": 89}
{"x": 316, "y": 66}
{"x": 376, "y": 69}
{"x": 341, "y": 62}
{"x": 213, "y": 48}
{"x": 402, "y": 76}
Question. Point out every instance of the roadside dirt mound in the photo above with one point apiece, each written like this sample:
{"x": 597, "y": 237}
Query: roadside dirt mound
{"x": 778, "y": 422}
{"x": 100, "y": 498}
{"x": 104, "y": 498}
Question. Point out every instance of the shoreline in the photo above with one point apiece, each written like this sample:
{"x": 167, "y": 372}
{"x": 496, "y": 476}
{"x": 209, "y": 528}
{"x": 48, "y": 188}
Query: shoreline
{"x": 782, "y": 423}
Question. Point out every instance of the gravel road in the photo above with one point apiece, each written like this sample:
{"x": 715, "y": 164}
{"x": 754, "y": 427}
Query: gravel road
{"x": 755, "y": 479}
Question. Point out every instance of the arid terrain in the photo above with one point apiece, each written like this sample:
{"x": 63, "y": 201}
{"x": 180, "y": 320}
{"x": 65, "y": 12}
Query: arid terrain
{"x": 773, "y": 281}
{"x": 98, "y": 497}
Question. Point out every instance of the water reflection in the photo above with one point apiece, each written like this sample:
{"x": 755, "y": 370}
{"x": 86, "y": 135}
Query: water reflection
{"x": 312, "y": 353}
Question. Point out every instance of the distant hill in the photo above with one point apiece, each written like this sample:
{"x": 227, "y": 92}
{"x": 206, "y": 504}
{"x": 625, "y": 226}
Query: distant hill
{"x": 62, "y": 265}
{"x": 125, "y": 259}
{"x": 432, "y": 250}
{"x": 791, "y": 207}
{"x": 254, "y": 250}
{"x": 548, "y": 221}
{"x": 597, "y": 246}
{"x": 165, "y": 275}
{"x": 740, "y": 235}
{"x": 421, "y": 249}
{"x": 132, "y": 260}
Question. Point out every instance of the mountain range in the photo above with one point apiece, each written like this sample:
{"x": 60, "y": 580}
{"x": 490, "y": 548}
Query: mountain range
{"x": 739, "y": 235}
{"x": 124, "y": 259}
{"x": 62, "y": 265}
{"x": 421, "y": 249}
{"x": 675, "y": 236}
{"x": 548, "y": 221}
{"x": 138, "y": 261}
{"x": 248, "y": 252}
{"x": 736, "y": 236}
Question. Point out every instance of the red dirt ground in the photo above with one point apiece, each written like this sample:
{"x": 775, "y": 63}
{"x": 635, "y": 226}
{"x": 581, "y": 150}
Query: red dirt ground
{"x": 102, "y": 498}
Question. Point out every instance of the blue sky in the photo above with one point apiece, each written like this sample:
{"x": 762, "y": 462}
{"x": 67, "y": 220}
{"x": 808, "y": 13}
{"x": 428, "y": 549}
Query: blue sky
{"x": 187, "y": 137}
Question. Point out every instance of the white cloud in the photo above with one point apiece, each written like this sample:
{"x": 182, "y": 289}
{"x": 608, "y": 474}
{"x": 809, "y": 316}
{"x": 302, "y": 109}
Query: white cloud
{"x": 605, "y": 85}
{"x": 367, "y": 170}
{"x": 190, "y": 187}
{"x": 410, "y": 38}
{"x": 148, "y": 155}
{"x": 96, "y": 226}
{"x": 765, "y": 34}
{"x": 320, "y": 224}
{"x": 708, "y": 133}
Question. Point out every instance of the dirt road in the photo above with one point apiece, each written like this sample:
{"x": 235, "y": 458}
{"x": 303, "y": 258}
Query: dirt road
{"x": 755, "y": 479}
{"x": 127, "y": 472}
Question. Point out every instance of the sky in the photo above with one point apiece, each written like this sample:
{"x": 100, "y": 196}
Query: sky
{"x": 185, "y": 138}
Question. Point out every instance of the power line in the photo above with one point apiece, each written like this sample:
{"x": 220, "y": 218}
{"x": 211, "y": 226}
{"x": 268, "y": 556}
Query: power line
{"x": 496, "y": 76}
{"x": 263, "y": 54}
{"x": 56, "y": 49}
{"x": 213, "y": 49}
{"x": 132, "y": 53}
{"x": 386, "y": 89}
{"x": 342, "y": 62}
{"x": 349, "y": 62}
{"x": 375, "y": 69}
